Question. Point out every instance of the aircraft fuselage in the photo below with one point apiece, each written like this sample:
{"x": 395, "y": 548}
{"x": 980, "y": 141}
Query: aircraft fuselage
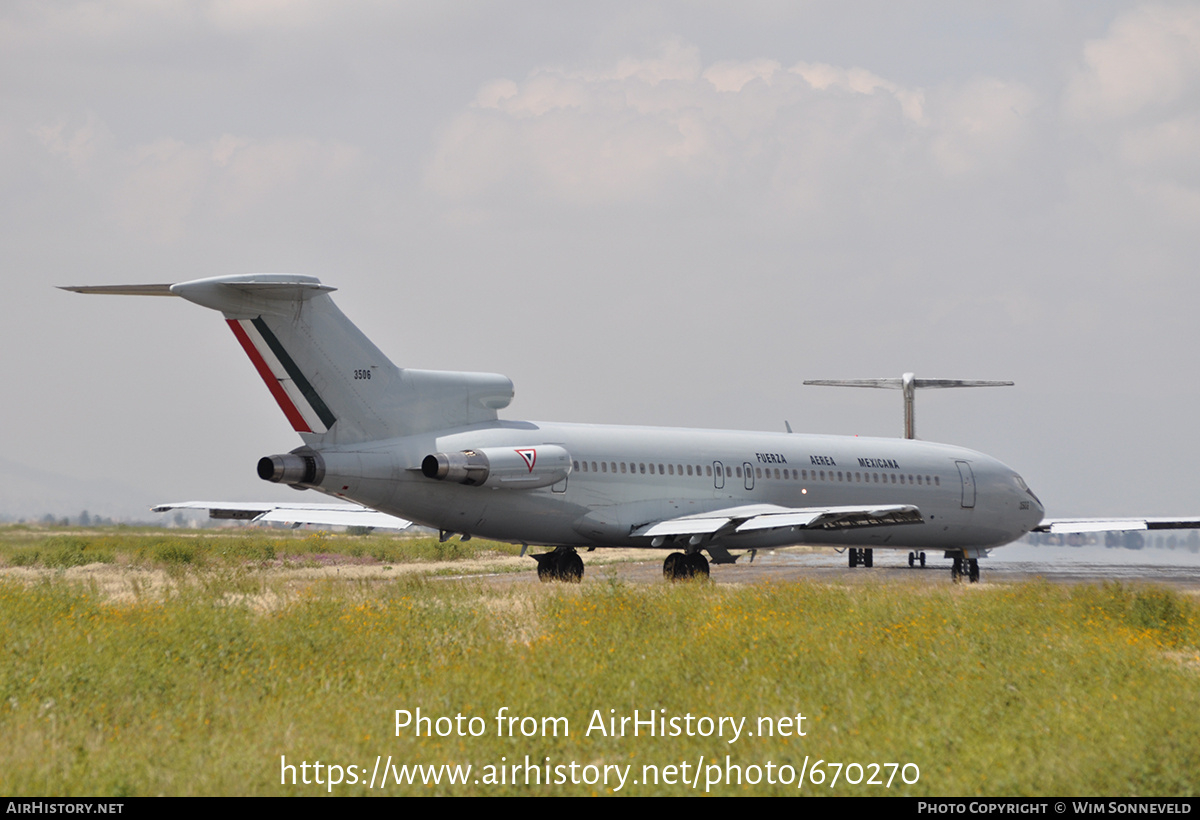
{"x": 624, "y": 477}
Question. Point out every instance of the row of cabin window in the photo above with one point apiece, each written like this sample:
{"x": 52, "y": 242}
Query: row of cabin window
{"x": 759, "y": 472}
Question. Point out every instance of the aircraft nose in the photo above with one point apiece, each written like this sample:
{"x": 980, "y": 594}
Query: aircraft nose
{"x": 1035, "y": 502}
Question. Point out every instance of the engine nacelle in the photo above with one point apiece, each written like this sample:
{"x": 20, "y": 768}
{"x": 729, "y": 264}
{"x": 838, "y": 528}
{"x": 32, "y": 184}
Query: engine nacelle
{"x": 298, "y": 468}
{"x": 516, "y": 468}
{"x": 367, "y": 477}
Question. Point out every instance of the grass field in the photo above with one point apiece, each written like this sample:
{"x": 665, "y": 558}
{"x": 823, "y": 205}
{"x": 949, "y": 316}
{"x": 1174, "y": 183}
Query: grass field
{"x": 227, "y": 670}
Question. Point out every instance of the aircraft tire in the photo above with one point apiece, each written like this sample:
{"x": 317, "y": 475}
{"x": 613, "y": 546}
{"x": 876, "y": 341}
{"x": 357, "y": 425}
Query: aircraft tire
{"x": 547, "y": 571}
{"x": 697, "y": 566}
{"x": 912, "y": 559}
{"x": 973, "y": 570}
{"x": 565, "y": 566}
{"x": 673, "y": 566}
{"x": 922, "y": 560}
{"x": 853, "y": 560}
{"x": 956, "y": 570}
{"x": 868, "y": 558}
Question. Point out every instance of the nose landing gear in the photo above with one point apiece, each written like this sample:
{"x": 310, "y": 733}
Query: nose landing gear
{"x": 964, "y": 566}
{"x": 861, "y": 557}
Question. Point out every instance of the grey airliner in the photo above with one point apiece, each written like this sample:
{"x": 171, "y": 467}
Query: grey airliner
{"x": 429, "y": 447}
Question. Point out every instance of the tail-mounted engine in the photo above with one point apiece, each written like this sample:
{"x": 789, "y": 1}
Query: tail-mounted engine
{"x": 517, "y": 468}
{"x": 366, "y": 477}
{"x": 302, "y": 467}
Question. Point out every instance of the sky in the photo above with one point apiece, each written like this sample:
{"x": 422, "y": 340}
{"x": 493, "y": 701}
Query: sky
{"x": 642, "y": 212}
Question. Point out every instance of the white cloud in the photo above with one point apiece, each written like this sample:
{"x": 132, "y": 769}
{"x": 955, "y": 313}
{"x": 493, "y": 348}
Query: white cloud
{"x": 78, "y": 145}
{"x": 732, "y": 75}
{"x": 163, "y": 186}
{"x": 1150, "y": 58}
{"x": 666, "y": 129}
{"x": 982, "y": 125}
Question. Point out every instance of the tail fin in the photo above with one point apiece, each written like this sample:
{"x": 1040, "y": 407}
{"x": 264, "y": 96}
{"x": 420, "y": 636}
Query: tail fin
{"x": 332, "y": 383}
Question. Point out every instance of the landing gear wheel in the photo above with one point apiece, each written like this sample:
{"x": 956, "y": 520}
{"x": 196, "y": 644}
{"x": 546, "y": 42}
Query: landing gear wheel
{"x": 912, "y": 559}
{"x": 922, "y": 560}
{"x": 956, "y": 570}
{"x": 869, "y": 558}
{"x": 561, "y": 565}
{"x": 973, "y": 570}
{"x": 697, "y": 566}
{"x": 853, "y": 557}
{"x": 673, "y": 566}
{"x": 680, "y": 567}
{"x": 570, "y": 567}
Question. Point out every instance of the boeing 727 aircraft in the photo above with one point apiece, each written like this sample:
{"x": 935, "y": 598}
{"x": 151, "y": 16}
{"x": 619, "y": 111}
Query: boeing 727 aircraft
{"x": 429, "y": 446}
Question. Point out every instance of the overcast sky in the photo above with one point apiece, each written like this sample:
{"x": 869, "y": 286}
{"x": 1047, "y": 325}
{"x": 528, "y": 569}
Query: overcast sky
{"x": 641, "y": 212}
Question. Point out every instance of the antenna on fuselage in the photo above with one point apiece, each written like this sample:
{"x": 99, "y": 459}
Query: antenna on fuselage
{"x": 909, "y": 384}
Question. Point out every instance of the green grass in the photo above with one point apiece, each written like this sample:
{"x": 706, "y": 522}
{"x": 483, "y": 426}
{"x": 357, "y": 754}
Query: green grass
{"x": 1028, "y": 689}
{"x": 171, "y": 549}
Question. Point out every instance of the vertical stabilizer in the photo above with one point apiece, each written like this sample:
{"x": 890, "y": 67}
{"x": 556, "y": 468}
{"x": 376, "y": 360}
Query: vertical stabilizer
{"x": 333, "y": 384}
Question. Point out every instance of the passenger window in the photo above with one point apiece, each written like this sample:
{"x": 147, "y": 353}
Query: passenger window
{"x": 738, "y": 470}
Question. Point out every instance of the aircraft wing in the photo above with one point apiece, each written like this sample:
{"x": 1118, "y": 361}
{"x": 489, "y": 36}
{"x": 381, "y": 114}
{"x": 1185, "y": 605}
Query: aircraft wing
{"x": 1070, "y": 525}
{"x": 330, "y": 515}
{"x": 756, "y": 517}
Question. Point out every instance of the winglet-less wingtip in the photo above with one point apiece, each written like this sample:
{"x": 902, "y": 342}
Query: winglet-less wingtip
{"x": 121, "y": 290}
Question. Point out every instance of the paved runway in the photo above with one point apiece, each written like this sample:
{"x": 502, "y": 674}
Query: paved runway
{"x": 1018, "y": 562}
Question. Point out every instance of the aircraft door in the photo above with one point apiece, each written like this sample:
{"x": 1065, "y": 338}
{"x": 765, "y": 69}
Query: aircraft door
{"x": 718, "y": 475}
{"x": 968, "y": 484}
{"x": 748, "y": 469}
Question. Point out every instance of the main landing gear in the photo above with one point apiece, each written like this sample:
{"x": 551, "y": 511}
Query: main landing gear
{"x": 914, "y": 557}
{"x": 861, "y": 557}
{"x": 964, "y": 566}
{"x": 564, "y": 564}
{"x": 680, "y": 566}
